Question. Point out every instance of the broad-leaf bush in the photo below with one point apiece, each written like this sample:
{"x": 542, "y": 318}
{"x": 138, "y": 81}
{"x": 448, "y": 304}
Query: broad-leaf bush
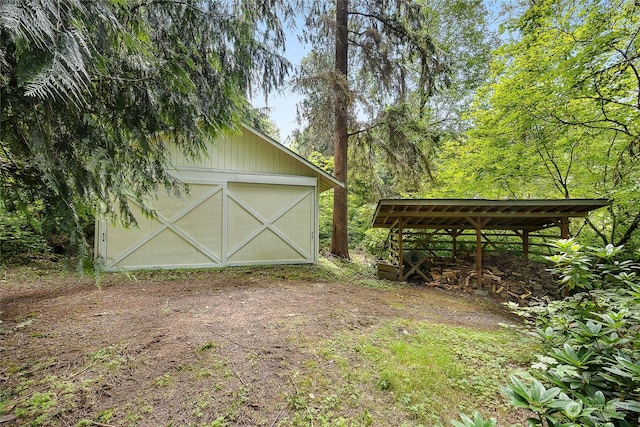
{"x": 477, "y": 421}
{"x": 589, "y": 371}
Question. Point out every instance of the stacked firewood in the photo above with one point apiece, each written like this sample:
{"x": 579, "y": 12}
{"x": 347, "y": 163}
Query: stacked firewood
{"x": 503, "y": 276}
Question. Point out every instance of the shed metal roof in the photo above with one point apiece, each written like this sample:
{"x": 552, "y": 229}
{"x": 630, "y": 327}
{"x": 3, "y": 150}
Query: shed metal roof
{"x": 529, "y": 214}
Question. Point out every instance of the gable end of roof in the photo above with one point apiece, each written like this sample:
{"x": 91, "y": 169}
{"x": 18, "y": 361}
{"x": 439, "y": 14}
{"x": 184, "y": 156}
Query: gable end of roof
{"x": 326, "y": 180}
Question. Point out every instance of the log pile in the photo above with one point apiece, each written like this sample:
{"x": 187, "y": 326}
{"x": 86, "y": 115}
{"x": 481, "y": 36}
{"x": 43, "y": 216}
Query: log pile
{"x": 504, "y": 276}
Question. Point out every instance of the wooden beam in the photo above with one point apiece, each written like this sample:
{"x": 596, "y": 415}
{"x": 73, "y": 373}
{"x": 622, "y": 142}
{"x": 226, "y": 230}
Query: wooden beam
{"x": 475, "y": 222}
{"x": 485, "y": 214}
{"x": 400, "y": 252}
{"x": 465, "y": 226}
{"x": 488, "y": 241}
{"x": 525, "y": 245}
{"x": 390, "y": 204}
{"x": 390, "y": 242}
{"x": 478, "y": 224}
{"x": 454, "y": 237}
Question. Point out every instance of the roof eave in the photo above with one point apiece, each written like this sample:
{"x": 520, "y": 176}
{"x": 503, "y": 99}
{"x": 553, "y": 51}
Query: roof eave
{"x": 558, "y": 208}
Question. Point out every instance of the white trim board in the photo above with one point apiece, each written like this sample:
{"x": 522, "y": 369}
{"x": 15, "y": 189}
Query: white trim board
{"x": 210, "y": 176}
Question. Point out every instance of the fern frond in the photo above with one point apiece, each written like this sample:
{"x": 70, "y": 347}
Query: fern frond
{"x": 65, "y": 76}
{"x": 31, "y": 20}
{"x": 47, "y": 25}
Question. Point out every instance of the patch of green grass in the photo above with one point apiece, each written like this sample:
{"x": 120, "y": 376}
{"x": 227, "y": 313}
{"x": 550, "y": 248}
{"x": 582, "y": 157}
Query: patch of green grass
{"x": 359, "y": 271}
{"x": 57, "y": 393}
{"x": 36, "y": 407}
{"x": 436, "y": 369}
{"x": 406, "y": 372}
{"x": 163, "y": 381}
{"x": 239, "y": 398}
{"x": 103, "y": 417}
{"x": 111, "y": 357}
{"x": 200, "y": 405}
{"x": 325, "y": 409}
{"x": 136, "y": 411}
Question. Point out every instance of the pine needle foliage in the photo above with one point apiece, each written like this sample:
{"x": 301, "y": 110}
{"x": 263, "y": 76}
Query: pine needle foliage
{"x": 412, "y": 66}
{"x": 94, "y": 93}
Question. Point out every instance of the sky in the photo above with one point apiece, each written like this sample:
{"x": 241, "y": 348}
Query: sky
{"x": 282, "y": 105}
{"x": 282, "y": 111}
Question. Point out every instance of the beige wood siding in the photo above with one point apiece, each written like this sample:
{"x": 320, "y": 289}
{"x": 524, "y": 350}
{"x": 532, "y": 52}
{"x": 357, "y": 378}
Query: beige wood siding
{"x": 251, "y": 152}
{"x": 246, "y": 153}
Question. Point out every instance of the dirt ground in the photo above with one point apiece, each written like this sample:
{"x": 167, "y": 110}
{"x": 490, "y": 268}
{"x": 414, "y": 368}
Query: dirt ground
{"x": 116, "y": 347}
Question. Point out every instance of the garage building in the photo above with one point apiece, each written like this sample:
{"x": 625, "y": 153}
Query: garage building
{"x": 251, "y": 201}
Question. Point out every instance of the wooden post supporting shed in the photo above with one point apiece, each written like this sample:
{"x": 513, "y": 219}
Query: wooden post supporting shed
{"x": 400, "y": 251}
{"x": 404, "y": 217}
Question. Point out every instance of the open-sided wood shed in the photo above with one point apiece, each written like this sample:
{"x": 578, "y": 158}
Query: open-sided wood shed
{"x": 252, "y": 201}
{"x": 422, "y": 219}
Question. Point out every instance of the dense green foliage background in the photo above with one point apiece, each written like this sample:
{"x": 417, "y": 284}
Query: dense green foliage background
{"x": 558, "y": 116}
{"x": 92, "y": 92}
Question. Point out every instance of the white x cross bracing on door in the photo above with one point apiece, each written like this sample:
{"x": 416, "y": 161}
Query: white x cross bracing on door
{"x": 170, "y": 224}
{"x": 268, "y": 223}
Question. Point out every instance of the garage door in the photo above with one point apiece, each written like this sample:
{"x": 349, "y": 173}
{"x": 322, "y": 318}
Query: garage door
{"x": 219, "y": 224}
{"x": 186, "y": 233}
{"x": 270, "y": 223}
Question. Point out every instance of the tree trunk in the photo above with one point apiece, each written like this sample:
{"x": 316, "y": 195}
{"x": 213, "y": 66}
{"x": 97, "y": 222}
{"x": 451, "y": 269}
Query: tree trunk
{"x": 635, "y": 224}
{"x": 339, "y": 241}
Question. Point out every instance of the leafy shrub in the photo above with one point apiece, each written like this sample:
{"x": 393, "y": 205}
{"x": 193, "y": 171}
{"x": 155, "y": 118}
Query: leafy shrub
{"x": 360, "y": 234}
{"x": 589, "y": 372}
{"x": 38, "y": 229}
{"x": 19, "y": 237}
{"x": 591, "y": 268}
{"x": 477, "y": 421}
{"x": 375, "y": 242}
{"x": 360, "y": 217}
{"x": 326, "y": 219}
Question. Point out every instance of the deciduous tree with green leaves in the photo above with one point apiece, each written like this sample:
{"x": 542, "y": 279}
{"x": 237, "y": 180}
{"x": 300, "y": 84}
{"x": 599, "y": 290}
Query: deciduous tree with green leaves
{"x": 93, "y": 92}
{"x": 561, "y": 115}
